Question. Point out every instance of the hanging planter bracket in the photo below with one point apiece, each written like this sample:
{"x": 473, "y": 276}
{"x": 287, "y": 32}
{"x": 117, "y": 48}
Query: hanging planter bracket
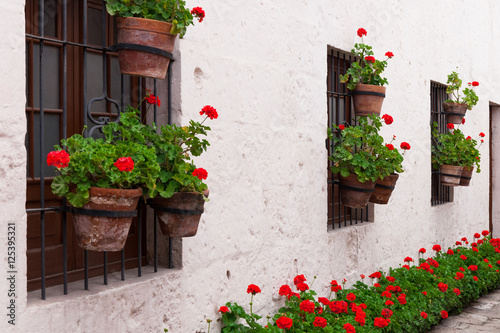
{"x": 175, "y": 210}
{"x": 372, "y": 93}
{"x": 357, "y": 188}
{"x": 97, "y": 212}
{"x": 142, "y": 48}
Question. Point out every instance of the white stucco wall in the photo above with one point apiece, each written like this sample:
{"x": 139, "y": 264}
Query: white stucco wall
{"x": 263, "y": 65}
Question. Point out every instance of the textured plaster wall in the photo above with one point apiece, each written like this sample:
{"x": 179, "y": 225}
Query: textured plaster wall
{"x": 262, "y": 64}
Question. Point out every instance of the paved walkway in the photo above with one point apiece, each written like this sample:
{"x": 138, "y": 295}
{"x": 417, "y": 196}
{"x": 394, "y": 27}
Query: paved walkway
{"x": 482, "y": 316}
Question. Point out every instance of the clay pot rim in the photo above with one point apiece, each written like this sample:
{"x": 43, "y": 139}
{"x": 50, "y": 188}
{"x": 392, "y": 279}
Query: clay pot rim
{"x": 97, "y": 191}
{"x": 152, "y": 25}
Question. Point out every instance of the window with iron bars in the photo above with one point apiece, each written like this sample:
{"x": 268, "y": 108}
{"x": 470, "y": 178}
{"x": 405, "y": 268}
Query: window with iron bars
{"x": 72, "y": 80}
{"x": 340, "y": 112}
{"x": 440, "y": 194}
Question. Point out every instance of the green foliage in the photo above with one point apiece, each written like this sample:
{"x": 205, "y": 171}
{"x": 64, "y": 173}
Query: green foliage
{"x": 407, "y": 291}
{"x": 454, "y": 84}
{"x": 453, "y": 148}
{"x": 92, "y": 164}
{"x": 171, "y": 11}
{"x": 364, "y": 71}
{"x": 361, "y": 150}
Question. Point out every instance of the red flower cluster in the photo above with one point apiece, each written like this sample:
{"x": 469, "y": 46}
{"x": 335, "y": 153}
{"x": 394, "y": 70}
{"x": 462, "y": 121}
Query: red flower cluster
{"x": 392, "y": 279}
{"x": 475, "y": 83}
{"x": 58, "y": 158}
{"x": 422, "y": 250}
{"x": 349, "y": 328}
{"x": 351, "y": 297}
{"x": 224, "y": 309}
{"x": 307, "y": 306}
{"x": 450, "y": 126}
{"x": 341, "y": 127}
{"x": 388, "y": 119}
{"x": 200, "y": 173}
{"x": 253, "y": 289}
{"x": 405, "y": 146}
{"x": 210, "y": 111}
{"x": 444, "y": 314}
{"x": 389, "y": 54}
{"x": 302, "y": 287}
{"x": 152, "y": 99}
{"x": 381, "y": 322}
{"x": 319, "y": 322}
{"x": 390, "y": 146}
{"x": 484, "y": 232}
{"x": 450, "y": 252}
{"x": 473, "y": 268}
{"x": 285, "y": 290}
{"x": 459, "y": 276}
{"x": 442, "y": 286}
{"x": 374, "y": 275}
{"x": 456, "y": 291}
{"x": 361, "y": 32}
{"x": 335, "y": 286}
{"x": 463, "y": 257}
{"x": 386, "y": 313}
{"x": 477, "y": 235}
{"x": 402, "y": 299}
{"x": 124, "y": 164}
{"x": 408, "y": 259}
{"x": 338, "y": 307}
{"x": 437, "y": 247}
{"x": 284, "y": 322}
{"x": 423, "y": 315}
{"x": 370, "y": 58}
{"x": 199, "y": 13}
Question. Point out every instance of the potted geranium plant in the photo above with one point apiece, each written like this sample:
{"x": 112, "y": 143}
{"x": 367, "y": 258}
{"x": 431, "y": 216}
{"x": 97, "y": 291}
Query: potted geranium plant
{"x": 361, "y": 158}
{"x": 101, "y": 180}
{"x": 364, "y": 78}
{"x": 390, "y": 161}
{"x": 471, "y": 158}
{"x": 147, "y": 30}
{"x": 456, "y": 107}
{"x": 178, "y": 193}
{"x": 448, "y": 154}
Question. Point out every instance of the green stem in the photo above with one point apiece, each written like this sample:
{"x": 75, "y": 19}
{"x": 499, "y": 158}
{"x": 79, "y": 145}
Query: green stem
{"x": 251, "y": 303}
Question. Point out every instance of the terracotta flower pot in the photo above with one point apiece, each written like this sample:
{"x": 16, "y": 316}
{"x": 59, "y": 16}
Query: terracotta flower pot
{"x": 134, "y": 32}
{"x": 367, "y": 99}
{"x": 353, "y": 193}
{"x": 455, "y": 112}
{"x": 383, "y": 189}
{"x": 179, "y": 215}
{"x": 105, "y": 233}
{"x": 450, "y": 175}
{"x": 466, "y": 176}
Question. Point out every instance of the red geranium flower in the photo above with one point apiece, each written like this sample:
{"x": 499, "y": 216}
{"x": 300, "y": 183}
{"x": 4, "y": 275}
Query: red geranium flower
{"x": 389, "y": 303}
{"x": 284, "y": 322}
{"x": 461, "y": 269}
{"x": 380, "y": 322}
{"x": 450, "y": 252}
{"x": 485, "y": 233}
{"x": 480, "y": 241}
{"x": 422, "y": 250}
{"x": 388, "y": 119}
{"x": 463, "y": 121}
{"x": 386, "y": 313}
{"x": 351, "y": 297}
{"x": 405, "y": 146}
{"x": 58, "y": 158}
{"x": 307, "y": 306}
{"x": 456, "y": 291}
{"x": 406, "y": 266}
{"x": 361, "y": 32}
{"x": 199, "y": 13}
{"x": 301, "y": 279}
{"x": 408, "y": 259}
{"x": 224, "y": 309}
{"x": 424, "y": 293}
{"x": 210, "y": 111}
{"x": 389, "y": 54}
{"x": 377, "y": 285}
{"x": 253, "y": 289}
{"x": 362, "y": 276}
{"x": 302, "y": 287}
{"x": 200, "y": 173}
{"x": 387, "y": 294}
{"x": 152, "y": 99}
{"x": 459, "y": 276}
{"x": 482, "y": 135}
{"x": 338, "y": 306}
{"x": 477, "y": 235}
{"x": 285, "y": 290}
{"x": 389, "y": 146}
{"x": 375, "y": 275}
{"x": 349, "y": 328}
{"x": 444, "y": 314}
{"x": 341, "y": 127}
{"x": 124, "y": 164}
{"x": 442, "y": 286}
{"x": 319, "y": 322}
{"x": 464, "y": 239}
{"x": 323, "y": 300}
{"x": 450, "y": 126}
{"x": 475, "y": 278}
{"x": 475, "y": 83}
{"x": 370, "y": 58}
{"x": 423, "y": 315}
{"x": 437, "y": 247}
{"x": 473, "y": 268}
{"x": 402, "y": 299}
{"x": 458, "y": 243}
{"x": 390, "y": 278}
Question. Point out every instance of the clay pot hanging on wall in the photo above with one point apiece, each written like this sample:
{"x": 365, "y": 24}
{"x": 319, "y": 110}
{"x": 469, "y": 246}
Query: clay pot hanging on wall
{"x": 367, "y": 99}
{"x": 455, "y": 112}
{"x": 353, "y": 193}
{"x": 104, "y": 222}
{"x": 466, "y": 176}
{"x": 383, "y": 189}
{"x": 179, "y": 215}
{"x": 144, "y": 46}
{"x": 450, "y": 175}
